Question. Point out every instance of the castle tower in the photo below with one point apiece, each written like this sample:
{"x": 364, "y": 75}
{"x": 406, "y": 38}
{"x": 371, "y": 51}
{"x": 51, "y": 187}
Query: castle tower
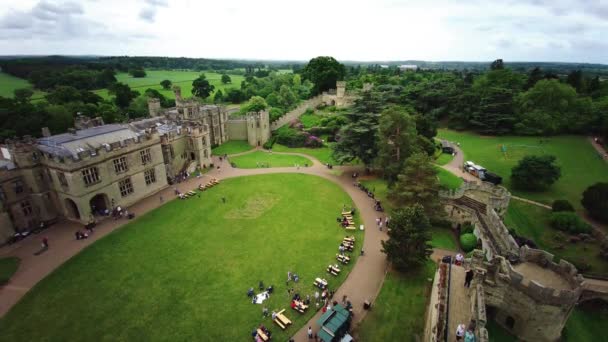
{"x": 177, "y": 90}
{"x": 153, "y": 107}
{"x": 258, "y": 128}
{"x": 201, "y": 146}
{"x": 340, "y": 89}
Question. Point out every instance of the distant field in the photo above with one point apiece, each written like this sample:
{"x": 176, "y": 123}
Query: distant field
{"x": 9, "y": 83}
{"x": 181, "y": 78}
{"x": 581, "y": 166}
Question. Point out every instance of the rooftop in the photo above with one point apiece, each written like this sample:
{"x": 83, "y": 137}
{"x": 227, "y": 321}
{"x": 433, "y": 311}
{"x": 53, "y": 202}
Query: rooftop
{"x": 543, "y": 276}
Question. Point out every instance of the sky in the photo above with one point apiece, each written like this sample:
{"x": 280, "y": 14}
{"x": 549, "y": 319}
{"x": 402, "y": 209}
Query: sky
{"x": 361, "y": 30}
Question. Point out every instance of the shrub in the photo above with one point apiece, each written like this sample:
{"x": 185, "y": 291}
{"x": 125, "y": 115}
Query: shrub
{"x": 275, "y": 114}
{"x": 468, "y": 242}
{"x": 467, "y": 228}
{"x": 268, "y": 145}
{"x": 595, "y": 200}
{"x": 535, "y": 172}
{"x": 313, "y": 141}
{"x": 569, "y": 222}
{"x": 290, "y": 137}
{"x": 562, "y": 205}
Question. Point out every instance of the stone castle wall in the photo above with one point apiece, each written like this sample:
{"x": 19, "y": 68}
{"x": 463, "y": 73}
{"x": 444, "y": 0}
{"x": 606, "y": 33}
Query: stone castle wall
{"x": 311, "y": 103}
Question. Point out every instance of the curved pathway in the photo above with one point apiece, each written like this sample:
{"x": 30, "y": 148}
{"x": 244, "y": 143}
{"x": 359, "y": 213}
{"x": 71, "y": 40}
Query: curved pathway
{"x": 363, "y": 282}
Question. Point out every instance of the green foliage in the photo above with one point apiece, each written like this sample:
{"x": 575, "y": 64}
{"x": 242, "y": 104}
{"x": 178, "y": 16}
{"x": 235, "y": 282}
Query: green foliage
{"x": 397, "y": 140}
{"x": 290, "y": 137}
{"x": 595, "y": 200}
{"x": 23, "y": 94}
{"x": 201, "y": 87}
{"x": 407, "y": 247}
{"x": 218, "y": 97}
{"x": 417, "y": 184}
{"x": 226, "y": 79}
{"x": 467, "y": 228}
{"x": 137, "y": 72}
{"x": 8, "y": 267}
{"x": 255, "y": 104}
{"x": 66, "y": 94}
{"x": 561, "y": 205}
{"x": 323, "y": 72}
{"x": 569, "y": 222}
{"x": 535, "y": 172}
{"x": 275, "y": 114}
{"x": 468, "y": 242}
{"x": 166, "y": 84}
{"x": 123, "y": 94}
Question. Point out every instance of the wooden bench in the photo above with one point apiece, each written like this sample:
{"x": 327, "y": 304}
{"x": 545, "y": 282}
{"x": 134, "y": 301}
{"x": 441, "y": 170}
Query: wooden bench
{"x": 191, "y": 193}
{"x": 262, "y": 335}
{"x": 333, "y": 270}
{"x": 349, "y": 248}
{"x": 351, "y": 227}
{"x": 343, "y": 259}
{"x": 345, "y": 213}
{"x": 348, "y": 217}
{"x": 320, "y": 283}
{"x": 281, "y": 320}
{"x": 349, "y": 239}
{"x": 300, "y": 306}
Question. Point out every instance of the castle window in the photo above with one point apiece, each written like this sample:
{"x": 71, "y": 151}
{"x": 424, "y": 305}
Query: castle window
{"x": 62, "y": 180}
{"x": 126, "y": 187}
{"x": 146, "y": 157}
{"x": 90, "y": 176}
{"x": 150, "y": 176}
{"x": 18, "y": 186}
{"x": 26, "y": 207}
{"x": 120, "y": 164}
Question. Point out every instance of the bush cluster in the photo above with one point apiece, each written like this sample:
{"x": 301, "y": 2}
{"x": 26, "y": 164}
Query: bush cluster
{"x": 468, "y": 242}
{"x": 569, "y": 222}
{"x": 561, "y": 205}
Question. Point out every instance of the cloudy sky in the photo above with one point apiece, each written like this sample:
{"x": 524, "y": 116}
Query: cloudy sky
{"x": 472, "y": 30}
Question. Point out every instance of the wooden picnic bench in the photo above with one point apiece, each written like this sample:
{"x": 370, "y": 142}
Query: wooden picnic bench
{"x": 350, "y": 239}
{"x": 333, "y": 270}
{"x": 263, "y": 336}
{"x": 349, "y": 248}
{"x": 320, "y": 283}
{"x": 351, "y": 227}
{"x": 281, "y": 320}
{"x": 343, "y": 258}
{"x": 300, "y": 306}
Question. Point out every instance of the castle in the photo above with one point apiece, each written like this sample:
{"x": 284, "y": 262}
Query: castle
{"x": 95, "y": 167}
{"x": 521, "y": 288}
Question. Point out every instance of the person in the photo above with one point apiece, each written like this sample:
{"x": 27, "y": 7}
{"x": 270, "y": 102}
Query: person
{"x": 380, "y": 225}
{"x": 293, "y": 304}
{"x": 341, "y": 249}
{"x": 265, "y": 312}
{"x": 459, "y": 259}
{"x": 469, "y": 336}
{"x": 460, "y": 332}
{"x": 310, "y": 333}
{"x": 467, "y": 278}
{"x": 250, "y": 292}
{"x": 317, "y": 296}
{"x": 344, "y": 300}
{"x": 270, "y": 289}
{"x": 45, "y": 243}
{"x": 295, "y": 278}
{"x": 377, "y": 221}
{"x": 288, "y": 276}
{"x": 261, "y": 285}
{"x": 307, "y": 302}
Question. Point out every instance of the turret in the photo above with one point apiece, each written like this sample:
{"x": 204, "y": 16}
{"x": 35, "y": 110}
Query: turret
{"x": 153, "y": 106}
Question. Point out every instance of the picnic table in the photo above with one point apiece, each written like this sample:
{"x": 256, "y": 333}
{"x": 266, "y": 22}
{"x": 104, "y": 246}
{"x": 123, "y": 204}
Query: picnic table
{"x": 281, "y": 320}
{"x": 320, "y": 283}
{"x": 349, "y": 239}
{"x": 263, "y": 336}
{"x": 333, "y": 269}
{"x": 300, "y": 306}
{"x": 343, "y": 258}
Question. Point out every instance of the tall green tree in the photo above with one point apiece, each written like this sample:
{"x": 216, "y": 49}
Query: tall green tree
{"x": 418, "y": 183}
{"x": 323, "y": 72}
{"x": 397, "y": 140}
{"x": 497, "y": 65}
{"x": 226, "y": 79}
{"x": 123, "y": 94}
{"x": 407, "y": 247}
{"x": 595, "y": 200}
{"x": 166, "y": 84}
{"x": 535, "y": 172}
{"x": 23, "y": 94}
{"x": 255, "y": 104}
{"x": 201, "y": 87}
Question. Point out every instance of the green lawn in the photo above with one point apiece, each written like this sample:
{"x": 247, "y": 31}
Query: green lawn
{"x": 8, "y": 84}
{"x": 232, "y": 147}
{"x": 532, "y": 222}
{"x": 399, "y": 311}
{"x": 181, "y": 78}
{"x": 258, "y": 158}
{"x": 444, "y": 158}
{"x": 181, "y": 272}
{"x": 447, "y": 179}
{"x": 443, "y": 238}
{"x": 322, "y": 154}
{"x": 580, "y": 164}
{"x": 8, "y": 267}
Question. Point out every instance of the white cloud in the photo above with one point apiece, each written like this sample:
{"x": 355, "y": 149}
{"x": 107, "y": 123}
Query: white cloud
{"x": 563, "y": 30}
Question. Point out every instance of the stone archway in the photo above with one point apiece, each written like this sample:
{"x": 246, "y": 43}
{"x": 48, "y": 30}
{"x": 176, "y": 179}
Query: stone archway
{"x": 99, "y": 203}
{"x": 71, "y": 209}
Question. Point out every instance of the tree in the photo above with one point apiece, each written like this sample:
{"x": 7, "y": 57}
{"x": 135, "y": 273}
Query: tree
{"x": 166, "y": 84}
{"x": 218, "y": 97}
{"x": 397, "y": 140}
{"x": 137, "y": 72}
{"x": 561, "y": 205}
{"x": 407, "y": 247}
{"x": 226, "y": 79}
{"x": 323, "y": 72}
{"x": 534, "y": 76}
{"x": 535, "y": 172}
{"x": 595, "y": 200}
{"x": 357, "y": 139}
{"x": 59, "y": 119}
{"x": 123, "y": 94}
{"x": 23, "y": 94}
{"x": 201, "y": 87}
{"x": 576, "y": 80}
{"x": 255, "y": 104}
{"x": 497, "y": 65}
{"x": 418, "y": 184}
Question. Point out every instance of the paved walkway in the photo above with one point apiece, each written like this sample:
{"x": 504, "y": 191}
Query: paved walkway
{"x": 363, "y": 282}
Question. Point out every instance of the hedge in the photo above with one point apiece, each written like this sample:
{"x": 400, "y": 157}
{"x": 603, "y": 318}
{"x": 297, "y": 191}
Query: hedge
{"x": 468, "y": 242}
{"x": 569, "y": 222}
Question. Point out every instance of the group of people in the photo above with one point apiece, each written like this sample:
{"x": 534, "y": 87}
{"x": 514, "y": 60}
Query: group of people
{"x": 466, "y": 333}
{"x": 263, "y": 329}
{"x": 380, "y": 222}
{"x": 80, "y": 235}
{"x": 119, "y": 213}
{"x": 292, "y": 277}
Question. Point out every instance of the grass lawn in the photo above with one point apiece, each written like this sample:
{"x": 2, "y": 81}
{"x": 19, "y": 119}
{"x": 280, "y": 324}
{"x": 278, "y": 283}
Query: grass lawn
{"x": 447, "y": 179}
{"x": 253, "y": 159}
{"x": 581, "y": 166}
{"x": 181, "y": 78}
{"x": 8, "y": 84}
{"x": 399, "y": 311}
{"x": 443, "y": 159}
{"x": 322, "y": 154}
{"x": 532, "y": 222}
{"x": 232, "y": 147}
{"x": 8, "y": 267}
{"x": 443, "y": 238}
{"x": 181, "y": 272}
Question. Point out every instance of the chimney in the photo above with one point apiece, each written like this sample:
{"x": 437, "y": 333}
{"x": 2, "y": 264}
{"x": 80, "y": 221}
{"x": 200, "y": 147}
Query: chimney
{"x": 46, "y": 132}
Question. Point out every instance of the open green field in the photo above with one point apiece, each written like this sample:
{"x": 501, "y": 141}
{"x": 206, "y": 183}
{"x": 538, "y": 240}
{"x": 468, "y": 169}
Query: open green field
{"x": 258, "y": 158}
{"x": 232, "y": 147}
{"x": 399, "y": 311}
{"x": 8, "y": 267}
{"x": 322, "y": 154}
{"x": 533, "y": 222}
{"x": 443, "y": 159}
{"x": 181, "y": 78}
{"x": 181, "y": 272}
{"x": 8, "y": 84}
{"x": 447, "y": 179}
{"x": 581, "y": 166}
